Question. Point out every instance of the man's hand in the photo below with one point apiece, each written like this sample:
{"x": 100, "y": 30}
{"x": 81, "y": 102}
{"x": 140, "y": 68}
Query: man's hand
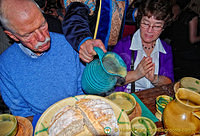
{"x": 87, "y": 53}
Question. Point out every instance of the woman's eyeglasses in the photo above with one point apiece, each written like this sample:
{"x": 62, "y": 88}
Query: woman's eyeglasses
{"x": 154, "y": 27}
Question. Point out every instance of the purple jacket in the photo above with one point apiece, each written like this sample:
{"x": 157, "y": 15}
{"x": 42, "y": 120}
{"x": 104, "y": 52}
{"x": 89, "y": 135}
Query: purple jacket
{"x": 165, "y": 64}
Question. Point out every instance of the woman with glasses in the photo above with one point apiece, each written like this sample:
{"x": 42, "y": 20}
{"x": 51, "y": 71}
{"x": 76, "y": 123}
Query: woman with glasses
{"x": 149, "y": 59}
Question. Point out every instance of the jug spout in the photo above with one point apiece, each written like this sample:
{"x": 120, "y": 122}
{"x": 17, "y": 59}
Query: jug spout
{"x": 112, "y": 63}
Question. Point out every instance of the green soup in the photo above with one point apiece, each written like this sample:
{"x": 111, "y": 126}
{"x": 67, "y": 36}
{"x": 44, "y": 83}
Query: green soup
{"x": 5, "y": 127}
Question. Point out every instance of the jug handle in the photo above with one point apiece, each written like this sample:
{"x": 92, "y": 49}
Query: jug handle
{"x": 196, "y": 114}
{"x": 100, "y": 52}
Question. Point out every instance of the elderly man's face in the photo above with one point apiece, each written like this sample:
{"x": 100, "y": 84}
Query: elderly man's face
{"x": 32, "y": 30}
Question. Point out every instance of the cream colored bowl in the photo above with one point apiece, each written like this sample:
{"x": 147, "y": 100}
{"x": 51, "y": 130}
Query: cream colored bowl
{"x": 190, "y": 83}
{"x": 8, "y": 125}
{"x": 142, "y": 126}
{"x": 124, "y": 100}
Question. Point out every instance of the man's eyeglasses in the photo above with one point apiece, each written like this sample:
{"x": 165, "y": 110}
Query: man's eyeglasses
{"x": 155, "y": 27}
{"x": 28, "y": 36}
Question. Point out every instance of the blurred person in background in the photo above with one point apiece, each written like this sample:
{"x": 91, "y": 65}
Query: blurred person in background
{"x": 185, "y": 40}
{"x": 53, "y": 11}
{"x": 5, "y": 41}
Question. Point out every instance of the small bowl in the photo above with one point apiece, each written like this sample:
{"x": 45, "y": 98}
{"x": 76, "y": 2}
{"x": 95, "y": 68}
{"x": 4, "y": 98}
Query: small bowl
{"x": 8, "y": 125}
{"x": 124, "y": 100}
{"x": 176, "y": 86}
{"x": 161, "y": 102}
{"x": 188, "y": 82}
{"x": 142, "y": 126}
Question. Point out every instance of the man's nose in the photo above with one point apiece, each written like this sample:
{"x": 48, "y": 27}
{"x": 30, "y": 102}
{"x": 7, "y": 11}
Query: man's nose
{"x": 39, "y": 35}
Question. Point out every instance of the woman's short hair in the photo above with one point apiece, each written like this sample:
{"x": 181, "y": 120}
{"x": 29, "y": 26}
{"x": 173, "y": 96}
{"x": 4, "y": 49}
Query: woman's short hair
{"x": 160, "y": 9}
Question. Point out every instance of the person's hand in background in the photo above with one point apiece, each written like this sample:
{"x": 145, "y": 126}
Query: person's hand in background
{"x": 87, "y": 53}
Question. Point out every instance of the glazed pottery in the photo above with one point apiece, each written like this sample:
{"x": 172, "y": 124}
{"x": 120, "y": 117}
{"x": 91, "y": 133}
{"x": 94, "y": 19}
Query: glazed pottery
{"x": 142, "y": 126}
{"x": 188, "y": 82}
{"x": 181, "y": 117}
{"x": 100, "y": 75}
{"x": 8, "y": 125}
{"x": 161, "y": 102}
{"x": 124, "y": 100}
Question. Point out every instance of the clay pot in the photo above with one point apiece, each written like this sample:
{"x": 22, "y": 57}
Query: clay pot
{"x": 181, "y": 117}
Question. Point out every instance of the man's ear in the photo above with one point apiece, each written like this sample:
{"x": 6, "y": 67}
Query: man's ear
{"x": 11, "y": 35}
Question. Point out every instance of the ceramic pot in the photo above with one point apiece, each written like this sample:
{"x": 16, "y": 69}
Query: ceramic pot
{"x": 100, "y": 75}
{"x": 181, "y": 117}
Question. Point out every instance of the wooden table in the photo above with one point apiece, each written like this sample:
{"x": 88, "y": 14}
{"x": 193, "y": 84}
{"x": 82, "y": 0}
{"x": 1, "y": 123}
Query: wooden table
{"x": 148, "y": 97}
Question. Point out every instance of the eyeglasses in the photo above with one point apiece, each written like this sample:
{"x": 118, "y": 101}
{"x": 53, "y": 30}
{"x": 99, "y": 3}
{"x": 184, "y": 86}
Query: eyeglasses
{"x": 155, "y": 27}
{"x": 27, "y": 37}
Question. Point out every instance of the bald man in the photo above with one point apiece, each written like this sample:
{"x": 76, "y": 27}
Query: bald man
{"x": 41, "y": 67}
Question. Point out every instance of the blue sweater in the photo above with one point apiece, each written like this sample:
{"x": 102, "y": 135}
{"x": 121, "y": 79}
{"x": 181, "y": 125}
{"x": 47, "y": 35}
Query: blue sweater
{"x": 30, "y": 85}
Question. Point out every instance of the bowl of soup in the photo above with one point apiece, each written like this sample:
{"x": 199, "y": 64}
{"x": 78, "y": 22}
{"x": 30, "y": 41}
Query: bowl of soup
{"x": 124, "y": 100}
{"x": 143, "y": 126}
{"x": 8, "y": 125}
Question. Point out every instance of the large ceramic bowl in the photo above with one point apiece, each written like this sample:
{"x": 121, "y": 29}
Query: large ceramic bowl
{"x": 142, "y": 126}
{"x": 124, "y": 100}
{"x": 8, "y": 125}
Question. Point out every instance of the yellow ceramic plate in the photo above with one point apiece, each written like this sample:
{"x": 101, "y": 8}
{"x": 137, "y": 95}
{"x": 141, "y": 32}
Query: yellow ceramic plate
{"x": 43, "y": 123}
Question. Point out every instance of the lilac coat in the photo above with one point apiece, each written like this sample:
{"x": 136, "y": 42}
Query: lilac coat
{"x": 165, "y": 64}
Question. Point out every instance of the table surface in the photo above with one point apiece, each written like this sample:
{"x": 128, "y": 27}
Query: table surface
{"x": 148, "y": 97}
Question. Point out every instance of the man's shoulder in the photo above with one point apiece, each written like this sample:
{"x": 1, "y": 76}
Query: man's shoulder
{"x": 9, "y": 51}
{"x": 58, "y": 38}
{"x": 59, "y": 43}
{"x": 55, "y": 35}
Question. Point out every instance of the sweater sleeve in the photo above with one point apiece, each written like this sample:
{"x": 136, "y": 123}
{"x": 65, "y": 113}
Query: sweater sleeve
{"x": 76, "y": 24}
{"x": 12, "y": 98}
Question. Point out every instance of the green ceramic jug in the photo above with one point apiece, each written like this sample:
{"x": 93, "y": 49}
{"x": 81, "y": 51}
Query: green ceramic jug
{"x": 100, "y": 75}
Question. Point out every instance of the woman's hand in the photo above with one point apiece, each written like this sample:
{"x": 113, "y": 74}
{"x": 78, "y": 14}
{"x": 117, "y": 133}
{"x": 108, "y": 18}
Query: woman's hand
{"x": 150, "y": 74}
{"x": 144, "y": 67}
